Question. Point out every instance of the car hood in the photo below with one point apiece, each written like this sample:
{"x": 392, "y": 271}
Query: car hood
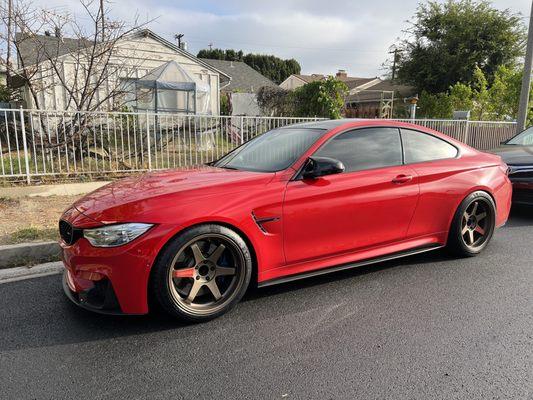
{"x": 515, "y": 155}
{"x": 140, "y": 198}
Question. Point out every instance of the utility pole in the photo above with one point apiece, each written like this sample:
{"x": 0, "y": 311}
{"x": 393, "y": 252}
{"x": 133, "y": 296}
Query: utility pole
{"x": 210, "y": 46}
{"x": 526, "y": 79}
{"x": 395, "y": 52}
{"x": 178, "y": 37}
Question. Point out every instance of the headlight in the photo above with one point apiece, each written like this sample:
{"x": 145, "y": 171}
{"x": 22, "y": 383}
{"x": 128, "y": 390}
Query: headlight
{"x": 115, "y": 235}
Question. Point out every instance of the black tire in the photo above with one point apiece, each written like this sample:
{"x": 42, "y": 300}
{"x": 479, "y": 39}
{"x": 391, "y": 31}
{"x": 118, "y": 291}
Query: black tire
{"x": 473, "y": 225}
{"x": 202, "y": 273}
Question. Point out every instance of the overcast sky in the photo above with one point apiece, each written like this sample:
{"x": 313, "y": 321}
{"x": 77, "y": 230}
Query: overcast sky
{"x": 322, "y": 35}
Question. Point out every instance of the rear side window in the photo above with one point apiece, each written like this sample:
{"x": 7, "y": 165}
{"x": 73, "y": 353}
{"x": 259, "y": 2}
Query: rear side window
{"x": 365, "y": 148}
{"x": 420, "y": 147}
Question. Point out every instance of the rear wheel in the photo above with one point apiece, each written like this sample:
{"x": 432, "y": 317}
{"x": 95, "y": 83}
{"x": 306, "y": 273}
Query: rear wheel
{"x": 473, "y": 225}
{"x": 202, "y": 273}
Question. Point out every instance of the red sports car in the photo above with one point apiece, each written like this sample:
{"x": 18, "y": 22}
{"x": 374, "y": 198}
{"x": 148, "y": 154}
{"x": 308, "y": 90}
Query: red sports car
{"x": 297, "y": 201}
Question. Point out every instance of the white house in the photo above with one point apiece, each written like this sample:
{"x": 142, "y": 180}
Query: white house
{"x": 134, "y": 57}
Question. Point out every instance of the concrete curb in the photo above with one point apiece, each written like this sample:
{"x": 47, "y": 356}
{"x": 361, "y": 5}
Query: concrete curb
{"x": 15, "y": 255}
{"x": 21, "y": 273}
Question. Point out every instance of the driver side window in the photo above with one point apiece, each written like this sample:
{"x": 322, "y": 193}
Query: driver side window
{"x": 365, "y": 148}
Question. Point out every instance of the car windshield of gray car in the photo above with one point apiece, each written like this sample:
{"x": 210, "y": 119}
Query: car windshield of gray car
{"x": 524, "y": 138}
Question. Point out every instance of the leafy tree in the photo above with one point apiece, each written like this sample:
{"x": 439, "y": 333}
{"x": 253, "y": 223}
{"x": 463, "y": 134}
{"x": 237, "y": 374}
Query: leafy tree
{"x": 323, "y": 98}
{"x": 447, "y": 40}
{"x": 486, "y": 101}
{"x": 274, "y": 68}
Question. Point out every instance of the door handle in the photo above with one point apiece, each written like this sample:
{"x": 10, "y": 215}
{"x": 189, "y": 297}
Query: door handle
{"x": 402, "y": 179}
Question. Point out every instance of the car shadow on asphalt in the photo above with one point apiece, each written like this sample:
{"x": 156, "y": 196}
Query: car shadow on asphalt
{"x": 520, "y": 216}
{"x": 47, "y": 318}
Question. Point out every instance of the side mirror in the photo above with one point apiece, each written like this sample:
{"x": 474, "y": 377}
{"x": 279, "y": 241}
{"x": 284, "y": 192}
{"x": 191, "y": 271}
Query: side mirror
{"x": 321, "y": 166}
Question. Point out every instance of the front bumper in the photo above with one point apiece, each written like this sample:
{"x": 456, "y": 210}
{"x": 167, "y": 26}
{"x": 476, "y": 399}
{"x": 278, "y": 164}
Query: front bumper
{"x": 100, "y": 298}
{"x": 112, "y": 280}
{"x": 522, "y": 179}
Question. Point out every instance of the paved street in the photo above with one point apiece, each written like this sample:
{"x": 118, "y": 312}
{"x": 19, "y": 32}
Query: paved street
{"x": 427, "y": 327}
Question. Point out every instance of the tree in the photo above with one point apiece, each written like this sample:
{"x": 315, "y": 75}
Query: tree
{"x": 324, "y": 98}
{"x": 89, "y": 71}
{"x": 274, "y": 68}
{"x": 447, "y": 40}
{"x": 486, "y": 101}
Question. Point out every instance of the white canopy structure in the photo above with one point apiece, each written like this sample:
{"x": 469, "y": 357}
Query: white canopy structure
{"x": 169, "y": 88}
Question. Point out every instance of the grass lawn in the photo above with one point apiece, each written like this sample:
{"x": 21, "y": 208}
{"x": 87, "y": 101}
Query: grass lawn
{"x": 31, "y": 219}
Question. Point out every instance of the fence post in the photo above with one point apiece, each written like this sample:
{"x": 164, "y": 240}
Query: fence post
{"x": 148, "y": 143}
{"x": 242, "y": 129}
{"x": 25, "y": 144}
{"x": 465, "y": 136}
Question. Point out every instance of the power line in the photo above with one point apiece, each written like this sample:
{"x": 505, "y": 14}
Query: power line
{"x": 203, "y": 40}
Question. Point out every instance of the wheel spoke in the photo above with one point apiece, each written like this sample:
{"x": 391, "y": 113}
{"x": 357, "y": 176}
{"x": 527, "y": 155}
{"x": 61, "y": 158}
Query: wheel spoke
{"x": 217, "y": 253}
{"x": 474, "y": 210}
{"x": 466, "y": 216}
{"x": 221, "y": 271}
{"x": 183, "y": 273}
{"x": 194, "y": 291}
{"x": 214, "y": 289}
{"x": 198, "y": 256}
{"x": 480, "y": 230}
{"x": 465, "y": 229}
{"x": 481, "y": 215}
{"x": 471, "y": 236}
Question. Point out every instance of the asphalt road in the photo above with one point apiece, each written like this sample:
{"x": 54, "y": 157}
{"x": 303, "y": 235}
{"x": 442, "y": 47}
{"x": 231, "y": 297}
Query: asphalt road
{"x": 426, "y": 327}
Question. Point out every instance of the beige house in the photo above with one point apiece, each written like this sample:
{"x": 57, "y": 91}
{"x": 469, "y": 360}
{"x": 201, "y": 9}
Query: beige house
{"x": 135, "y": 56}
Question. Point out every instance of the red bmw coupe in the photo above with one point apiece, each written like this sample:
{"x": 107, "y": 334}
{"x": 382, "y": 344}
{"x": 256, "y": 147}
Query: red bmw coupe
{"x": 297, "y": 201}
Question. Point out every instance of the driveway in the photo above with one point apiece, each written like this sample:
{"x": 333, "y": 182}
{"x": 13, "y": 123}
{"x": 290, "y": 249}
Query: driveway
{"x": 426, "y": 327}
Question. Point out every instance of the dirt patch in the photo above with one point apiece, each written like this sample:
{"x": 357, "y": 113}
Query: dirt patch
{"x": 31, "y": 219}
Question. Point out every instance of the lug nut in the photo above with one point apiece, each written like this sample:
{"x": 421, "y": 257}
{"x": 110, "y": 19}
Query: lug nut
{"x": 197, "y": 277}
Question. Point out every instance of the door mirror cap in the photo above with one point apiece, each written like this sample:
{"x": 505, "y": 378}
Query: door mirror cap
{"x": 320, "y": 166}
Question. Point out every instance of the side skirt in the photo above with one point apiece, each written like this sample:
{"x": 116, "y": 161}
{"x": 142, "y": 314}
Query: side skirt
{"x": 357, "y": 264}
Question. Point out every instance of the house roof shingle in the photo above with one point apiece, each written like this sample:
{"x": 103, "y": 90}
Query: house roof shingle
{"x": 373, "y": 93}
{"x": 351, "y": 81}
{"x": 243, "y": 77}
{"x": 37, "y": 48}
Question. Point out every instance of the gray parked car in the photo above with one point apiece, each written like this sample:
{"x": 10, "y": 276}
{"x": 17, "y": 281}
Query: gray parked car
{"x": 517, "y": 153}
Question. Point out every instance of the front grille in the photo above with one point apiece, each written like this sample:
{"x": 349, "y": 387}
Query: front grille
{"x": 68, "y": 233}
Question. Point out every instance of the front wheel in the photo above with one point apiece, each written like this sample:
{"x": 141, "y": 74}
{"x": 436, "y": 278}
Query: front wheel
{"x": 202, "y": 273}
{"x": 473, "y": 225}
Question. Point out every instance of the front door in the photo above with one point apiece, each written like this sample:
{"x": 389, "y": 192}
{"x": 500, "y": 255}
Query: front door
{"x": 370, "y": 204}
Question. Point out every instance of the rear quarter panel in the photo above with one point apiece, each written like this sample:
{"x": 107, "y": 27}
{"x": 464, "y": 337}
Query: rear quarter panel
{"x": 445, "y": 183}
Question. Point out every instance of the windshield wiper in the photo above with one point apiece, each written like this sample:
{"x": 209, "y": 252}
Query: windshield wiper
{"x": 226, "y": 167}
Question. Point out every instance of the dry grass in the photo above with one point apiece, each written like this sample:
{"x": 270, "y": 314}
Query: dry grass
{"x": 31, "y": 219}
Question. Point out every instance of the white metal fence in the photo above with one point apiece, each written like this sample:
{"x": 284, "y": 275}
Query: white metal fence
{"x": 59, "y": 144}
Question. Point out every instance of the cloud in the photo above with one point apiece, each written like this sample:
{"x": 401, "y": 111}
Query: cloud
{"x": 322, "y": 35}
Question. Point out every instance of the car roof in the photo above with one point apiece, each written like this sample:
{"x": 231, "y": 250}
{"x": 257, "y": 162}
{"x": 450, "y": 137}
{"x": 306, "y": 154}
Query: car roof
{"x": 326, "y": 124}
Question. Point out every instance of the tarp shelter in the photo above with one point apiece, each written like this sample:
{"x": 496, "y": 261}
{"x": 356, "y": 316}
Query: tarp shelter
{"x": 169, "y": 88}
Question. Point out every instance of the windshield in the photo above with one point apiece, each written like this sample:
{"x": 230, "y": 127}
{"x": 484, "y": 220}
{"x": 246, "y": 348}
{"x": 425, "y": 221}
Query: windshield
{"x": 273, "y": 151}
{"x": 523, "y": 139}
